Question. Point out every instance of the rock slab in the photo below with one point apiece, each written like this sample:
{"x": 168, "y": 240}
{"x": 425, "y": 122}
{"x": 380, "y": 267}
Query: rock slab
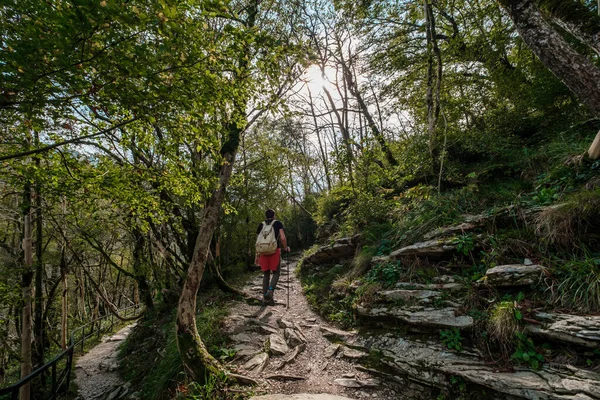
{"x": 582, "y": 330}
{"x": 419, "y": 316}
{"x": 339, "y": 250}
{"x": 301, "y": 396}
{"x": 513, "y": 275}
{"x": 432, "y": 365}
{"x": 432, "y": 249}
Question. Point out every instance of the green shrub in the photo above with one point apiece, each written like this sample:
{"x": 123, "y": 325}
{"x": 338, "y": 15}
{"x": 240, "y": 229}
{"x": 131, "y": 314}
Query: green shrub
{"x": 330, "y": 205}
{"x": 451, "y": 338}
{"x": 526, "y": 352}
{"x": 385, "y": 273}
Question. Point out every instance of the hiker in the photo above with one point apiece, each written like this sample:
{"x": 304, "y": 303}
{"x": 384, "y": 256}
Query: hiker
{"x": 272, "y": 231}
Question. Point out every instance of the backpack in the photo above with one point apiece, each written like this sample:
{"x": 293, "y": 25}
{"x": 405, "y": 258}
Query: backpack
{"x": 266, "y": 242}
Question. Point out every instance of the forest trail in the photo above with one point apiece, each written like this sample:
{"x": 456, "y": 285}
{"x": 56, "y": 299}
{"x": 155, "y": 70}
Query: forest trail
{"x": 293, "y": 351}
{"x": 96, "y": 371}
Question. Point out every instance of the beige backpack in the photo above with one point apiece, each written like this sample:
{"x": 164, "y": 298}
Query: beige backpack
{"x": 266, "y": 242}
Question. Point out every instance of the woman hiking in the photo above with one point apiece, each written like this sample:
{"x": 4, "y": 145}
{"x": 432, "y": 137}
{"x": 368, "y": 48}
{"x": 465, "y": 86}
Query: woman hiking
{"x": 270, "y": 240}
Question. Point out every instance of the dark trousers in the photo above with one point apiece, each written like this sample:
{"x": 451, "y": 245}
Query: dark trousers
{"x": 274, "y": 279}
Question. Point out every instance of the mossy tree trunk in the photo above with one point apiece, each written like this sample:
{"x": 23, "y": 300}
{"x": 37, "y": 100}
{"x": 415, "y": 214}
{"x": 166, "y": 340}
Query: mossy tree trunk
{"x": 194, "y": 354}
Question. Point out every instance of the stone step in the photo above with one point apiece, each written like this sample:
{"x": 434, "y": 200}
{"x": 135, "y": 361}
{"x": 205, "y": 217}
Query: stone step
{"x": 431, "y": 365}
{"x": 418, "y": 316}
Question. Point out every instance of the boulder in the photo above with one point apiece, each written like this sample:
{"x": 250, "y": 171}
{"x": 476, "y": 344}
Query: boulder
{"x": 278, "y": 345}
{"x": 573, "y": 329}
{"x": 430, "y": 318}
{"x": 339, "y": 250}
{"x": 513, "y": 275}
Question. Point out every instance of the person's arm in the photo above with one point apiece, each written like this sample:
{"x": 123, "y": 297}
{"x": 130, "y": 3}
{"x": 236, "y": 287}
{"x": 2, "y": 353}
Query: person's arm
{"x": 256, "y": 257}
{"x": 283, "y": 240}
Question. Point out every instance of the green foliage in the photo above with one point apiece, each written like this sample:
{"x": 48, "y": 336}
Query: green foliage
{"x": 451, "y": 338}
{"x": 385, "y": 273}
{"x": 317, "y": 286}
{"x": 223, "y": 353}
{"x": 526, "y": 352}
{"x": 330, "y": 205}
{"x": 464, "y": 243}
{"x": 384, "y": 248}
{"x": 546, "y": 196}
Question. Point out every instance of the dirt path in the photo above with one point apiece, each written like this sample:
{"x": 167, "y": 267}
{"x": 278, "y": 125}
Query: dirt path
{"x": 96, "y": 371}
{"x": 289, "y": 351}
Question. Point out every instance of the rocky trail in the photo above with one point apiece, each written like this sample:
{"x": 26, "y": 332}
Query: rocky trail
{"x": 292, "y": 351}
{"x": 96, "y": 371}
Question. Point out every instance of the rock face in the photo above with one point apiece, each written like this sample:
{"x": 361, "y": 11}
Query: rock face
{"x": 573, "y": 329}
{"x": 431, "y": 365}
{"x": 436, "y": 249}
{"x": 421, "y": 296}
{"x": 340, "y": 249}
{"x": 419, "y": 316}
{"x": 513, "y": 275}
{"x": 456, "y": 229}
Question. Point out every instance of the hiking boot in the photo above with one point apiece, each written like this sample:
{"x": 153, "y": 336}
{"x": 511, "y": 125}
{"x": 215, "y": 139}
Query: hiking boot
{"x": 269, "y": 298}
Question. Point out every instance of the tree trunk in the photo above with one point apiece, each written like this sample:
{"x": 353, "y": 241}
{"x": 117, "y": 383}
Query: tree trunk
{"x": 27, "y": 292}
{"x": 353, "y": 88}
{"x": 139, "y": 268}
{"x": 64, "y": 299}
{"x": 575, "y": 18}
{"x": 196, "y": 358}
{"x": 432, "y": 99}
{"x": 321, "y": 149}
{"x": 194, "y": 354}
{"x": 576, "y": 71}
{"x": 39, "y": 273}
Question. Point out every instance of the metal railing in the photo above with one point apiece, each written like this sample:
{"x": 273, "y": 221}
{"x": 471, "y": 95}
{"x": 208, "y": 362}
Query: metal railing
{"x": 60, "y": 380}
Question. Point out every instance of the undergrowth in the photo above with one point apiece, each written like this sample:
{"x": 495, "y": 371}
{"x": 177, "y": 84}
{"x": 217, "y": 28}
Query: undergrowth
{"x": 150, "y": 361}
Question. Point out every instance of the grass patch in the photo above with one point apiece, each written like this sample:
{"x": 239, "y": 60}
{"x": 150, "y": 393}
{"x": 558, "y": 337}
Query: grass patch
{"x": 578, "y": 284}
{"x": 334, "y": 305}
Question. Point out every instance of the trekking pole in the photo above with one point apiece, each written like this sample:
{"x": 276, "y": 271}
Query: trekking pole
{"x": 288, "y": 269}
